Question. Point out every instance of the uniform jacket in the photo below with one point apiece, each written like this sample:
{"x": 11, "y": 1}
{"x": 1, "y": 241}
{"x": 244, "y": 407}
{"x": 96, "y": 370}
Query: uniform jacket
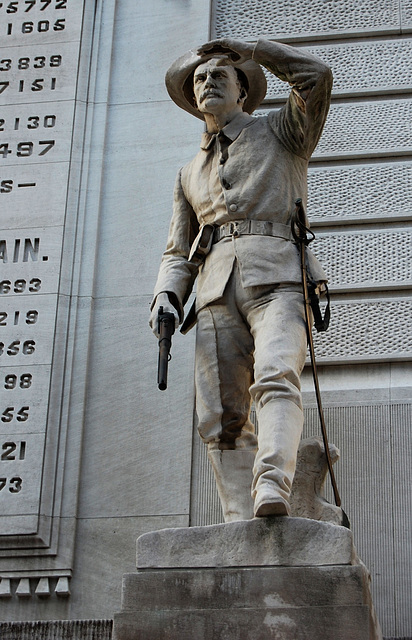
{"x": 263, "y": 172}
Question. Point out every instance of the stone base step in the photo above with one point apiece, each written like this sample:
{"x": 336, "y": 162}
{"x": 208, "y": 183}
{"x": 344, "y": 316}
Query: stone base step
{"x": 280, "y": 578}
{"x": 281, "y": 623}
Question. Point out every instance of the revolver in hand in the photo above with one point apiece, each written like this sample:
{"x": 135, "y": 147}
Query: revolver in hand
{"x": 166, "y": 328}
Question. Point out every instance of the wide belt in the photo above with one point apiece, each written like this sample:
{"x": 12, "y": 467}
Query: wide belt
{"x": 237, "y": 228}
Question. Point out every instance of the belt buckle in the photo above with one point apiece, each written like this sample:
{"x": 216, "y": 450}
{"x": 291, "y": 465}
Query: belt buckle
{"x": 234, "y": 229}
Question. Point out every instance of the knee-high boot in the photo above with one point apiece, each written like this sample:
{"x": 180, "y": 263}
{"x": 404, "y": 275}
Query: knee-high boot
{"x": 280, "y": 427}
{"x": 233, "y": 474}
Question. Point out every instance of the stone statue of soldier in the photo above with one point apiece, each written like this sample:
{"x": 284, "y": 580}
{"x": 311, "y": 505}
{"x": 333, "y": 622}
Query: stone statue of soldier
{"x": 231, "y": 229}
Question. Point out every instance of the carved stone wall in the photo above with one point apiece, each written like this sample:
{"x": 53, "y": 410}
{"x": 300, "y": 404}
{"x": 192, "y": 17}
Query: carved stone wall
{"x": 307, "y": 19}
{"x": 358, "y": 193}
{"x": 378, "y": 258}
{"x": 360, "y": 68}
{"x": 348, "y": 132}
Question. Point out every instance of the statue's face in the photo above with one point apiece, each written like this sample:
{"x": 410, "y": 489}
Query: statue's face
{"x": 216, "y": 88}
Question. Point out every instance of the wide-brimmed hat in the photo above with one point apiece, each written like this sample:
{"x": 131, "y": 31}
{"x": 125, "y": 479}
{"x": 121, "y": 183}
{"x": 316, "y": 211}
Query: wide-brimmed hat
{"x": 179, "y": 82}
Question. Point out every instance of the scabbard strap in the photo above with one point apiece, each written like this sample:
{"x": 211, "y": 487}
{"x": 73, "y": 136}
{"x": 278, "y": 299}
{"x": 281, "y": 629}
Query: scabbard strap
{"x": 302, "y": 236}
{"x": 237, "y": 228}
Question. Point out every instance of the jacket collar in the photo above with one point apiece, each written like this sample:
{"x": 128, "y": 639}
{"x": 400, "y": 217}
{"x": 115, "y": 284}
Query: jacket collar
{"x": 232, "y": 130}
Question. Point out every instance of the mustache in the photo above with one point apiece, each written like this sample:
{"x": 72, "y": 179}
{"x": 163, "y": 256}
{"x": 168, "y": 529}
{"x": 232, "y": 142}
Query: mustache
{"x": 210, "y": 92}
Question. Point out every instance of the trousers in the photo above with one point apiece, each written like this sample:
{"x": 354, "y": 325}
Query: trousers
{"x": 251, "y": 346}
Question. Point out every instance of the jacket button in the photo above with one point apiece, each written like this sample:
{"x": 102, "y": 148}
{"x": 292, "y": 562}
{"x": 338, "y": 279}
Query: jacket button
{"x": 233, "y": 207}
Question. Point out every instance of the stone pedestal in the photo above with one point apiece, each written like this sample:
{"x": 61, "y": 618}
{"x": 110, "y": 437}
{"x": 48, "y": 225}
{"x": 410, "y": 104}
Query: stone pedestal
{"x": 281, "y": 578}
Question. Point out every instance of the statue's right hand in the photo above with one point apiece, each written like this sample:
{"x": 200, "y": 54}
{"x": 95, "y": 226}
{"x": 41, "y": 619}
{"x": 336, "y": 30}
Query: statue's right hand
{"x": 162, "y": 300}
{"x": 234, "y": 51}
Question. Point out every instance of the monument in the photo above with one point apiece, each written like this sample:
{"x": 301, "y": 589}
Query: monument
{"x": 231, "y": 228}
{"x": 270, "y": 575}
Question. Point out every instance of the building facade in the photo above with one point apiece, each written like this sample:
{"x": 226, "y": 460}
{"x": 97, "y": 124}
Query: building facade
{"x": 92, "y": 454}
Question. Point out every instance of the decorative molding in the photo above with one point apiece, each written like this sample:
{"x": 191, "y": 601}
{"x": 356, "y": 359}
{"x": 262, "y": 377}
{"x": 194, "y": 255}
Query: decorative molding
{"x": 42, "y": 586}
{"x": 57, "y": 630}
